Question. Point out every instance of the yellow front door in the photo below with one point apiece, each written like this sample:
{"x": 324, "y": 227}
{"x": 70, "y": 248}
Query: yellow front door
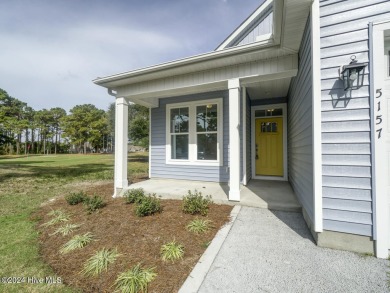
{"x": 269, "y": 146}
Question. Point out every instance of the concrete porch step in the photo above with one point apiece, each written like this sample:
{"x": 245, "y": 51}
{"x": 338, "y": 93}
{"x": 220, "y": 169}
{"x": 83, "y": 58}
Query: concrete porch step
{"x": 267, "y": 194}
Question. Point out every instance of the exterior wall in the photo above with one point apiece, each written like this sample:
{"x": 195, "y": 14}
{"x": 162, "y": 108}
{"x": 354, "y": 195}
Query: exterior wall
{"x": 159, "y": 168}
{"x": 347, "y": 196}
{"x": 300, "y": 155}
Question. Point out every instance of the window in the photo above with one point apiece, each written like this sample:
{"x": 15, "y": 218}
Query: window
{"x": 269, "y": 112}
{"x": 269, "y": 127}
{"x": 207, "y": 131}
{"x": 194, "y": 133}
{"x": 179, "y": 133}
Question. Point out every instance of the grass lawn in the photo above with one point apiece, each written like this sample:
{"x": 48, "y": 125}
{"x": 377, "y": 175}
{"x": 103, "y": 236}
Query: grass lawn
{"x": 30, "y": 251}
{"x": 27, "y": 182}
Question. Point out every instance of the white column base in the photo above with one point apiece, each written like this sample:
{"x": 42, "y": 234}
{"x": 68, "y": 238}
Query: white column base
{"x": 234, "y": 195}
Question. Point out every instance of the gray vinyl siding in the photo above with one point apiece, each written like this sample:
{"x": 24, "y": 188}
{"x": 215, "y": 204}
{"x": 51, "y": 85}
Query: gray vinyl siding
{"x": 300, "y": 154}
{"x": 346, "y": 149}
{"x": 159, "y": 168}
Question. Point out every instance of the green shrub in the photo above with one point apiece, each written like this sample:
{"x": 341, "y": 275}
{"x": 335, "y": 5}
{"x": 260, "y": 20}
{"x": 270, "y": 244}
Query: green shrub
{"x": 149, "y": 205}
{"x": 78, "y": 241}
{"x": 99, "y": 262}
{"x": 135, "y": 195}
{"x": 195, "y": 203}
{"x": 135, "y": 280}
{"x": 94, "y": 203}
{"x": 198, "y": 226}
{"x": 76, "y": 198}
{"x": 172, "y": 251}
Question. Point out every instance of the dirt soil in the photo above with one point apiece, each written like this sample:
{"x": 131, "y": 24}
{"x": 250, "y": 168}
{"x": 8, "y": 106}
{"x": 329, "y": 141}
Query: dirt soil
{"x": 137, "y": 240}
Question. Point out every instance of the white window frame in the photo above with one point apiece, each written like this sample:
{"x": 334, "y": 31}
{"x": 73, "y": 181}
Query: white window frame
{"x": 192, "y": 138}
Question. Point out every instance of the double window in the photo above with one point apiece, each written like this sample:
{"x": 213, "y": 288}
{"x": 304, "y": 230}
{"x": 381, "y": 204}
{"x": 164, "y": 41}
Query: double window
{"x": 194, "y": 133}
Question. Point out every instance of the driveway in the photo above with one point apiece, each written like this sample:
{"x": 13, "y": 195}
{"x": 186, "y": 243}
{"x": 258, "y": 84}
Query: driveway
{"x": 272, "y": 251}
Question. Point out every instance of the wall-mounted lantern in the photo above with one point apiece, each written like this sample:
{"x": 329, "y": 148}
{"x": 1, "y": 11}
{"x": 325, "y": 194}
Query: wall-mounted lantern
{"x": 353, "y": 74}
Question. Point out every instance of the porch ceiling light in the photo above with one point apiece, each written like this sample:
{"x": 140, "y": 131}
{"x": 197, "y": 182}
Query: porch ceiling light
{"x": 353, "y": 74}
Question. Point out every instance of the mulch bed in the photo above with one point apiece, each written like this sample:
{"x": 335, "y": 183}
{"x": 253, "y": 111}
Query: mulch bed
{"x": 137, "y": 240}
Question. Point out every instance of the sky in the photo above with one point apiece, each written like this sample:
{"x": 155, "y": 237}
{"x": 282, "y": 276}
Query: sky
{"x": 51, "y": 50}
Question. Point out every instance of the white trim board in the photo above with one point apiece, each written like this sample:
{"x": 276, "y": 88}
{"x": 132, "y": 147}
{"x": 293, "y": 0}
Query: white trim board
{"x": 316, "y": 116}
{"x": 244, "y": 137}
{"x": 253, "y": 148}
{"x": 380, "y": 171}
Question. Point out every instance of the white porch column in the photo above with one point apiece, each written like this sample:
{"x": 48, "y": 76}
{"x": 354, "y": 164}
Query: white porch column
{"x": 121, "y": 129}
{"x": 234, "y": 139}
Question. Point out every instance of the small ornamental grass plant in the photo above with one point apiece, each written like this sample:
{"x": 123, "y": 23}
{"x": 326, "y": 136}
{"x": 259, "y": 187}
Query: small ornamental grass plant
{"x": 195, "y": 203}
{"x": 66, "y": 229}
{"x": 94, "y": 203}
{"x": 135, "y": 280}
{"x": 78, "y": 241}
{"x": 149, "y": 205}
{"x": 76, "y": 197}
{"x": 58, "y": 216}
{"x": 135, "y": 195}
{"x": 99, "y": 262}
{"x": 198, "y": 226}
{"x": 172, "y": 251}
{"x": 55, "y": 213}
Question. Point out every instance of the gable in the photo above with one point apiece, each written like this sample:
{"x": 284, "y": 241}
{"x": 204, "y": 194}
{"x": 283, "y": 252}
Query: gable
{"x": 261, "y": 29}
{"x": 259, "y": 26}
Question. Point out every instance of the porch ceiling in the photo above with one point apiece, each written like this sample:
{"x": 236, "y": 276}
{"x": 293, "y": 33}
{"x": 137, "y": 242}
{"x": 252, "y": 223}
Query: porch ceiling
{"x": 269, "y": 89}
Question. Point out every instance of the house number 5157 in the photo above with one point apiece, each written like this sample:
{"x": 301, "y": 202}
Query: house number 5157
{"x": 378, "y": 117}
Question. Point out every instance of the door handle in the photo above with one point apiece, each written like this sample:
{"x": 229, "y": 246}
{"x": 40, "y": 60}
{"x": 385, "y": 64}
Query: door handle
{"x": 257, "y": 152}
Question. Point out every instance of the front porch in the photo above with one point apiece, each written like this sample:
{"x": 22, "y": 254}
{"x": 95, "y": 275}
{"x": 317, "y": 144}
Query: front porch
{"x": 273, "y": 195}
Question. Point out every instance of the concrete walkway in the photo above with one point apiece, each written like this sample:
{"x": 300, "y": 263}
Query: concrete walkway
{"x": 266, "y": 250}
{"x": 273, "y": 251}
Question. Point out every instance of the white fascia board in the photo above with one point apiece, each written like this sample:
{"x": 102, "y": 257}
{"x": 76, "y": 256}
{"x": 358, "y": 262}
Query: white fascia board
{"x": 245, "y": 24}
{"x": 157, "y": 71}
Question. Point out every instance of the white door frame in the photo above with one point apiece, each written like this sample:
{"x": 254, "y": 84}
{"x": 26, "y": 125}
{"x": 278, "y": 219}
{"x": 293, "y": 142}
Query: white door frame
{"x": 380, "y": 172}
{"x": 253, "y": 147}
